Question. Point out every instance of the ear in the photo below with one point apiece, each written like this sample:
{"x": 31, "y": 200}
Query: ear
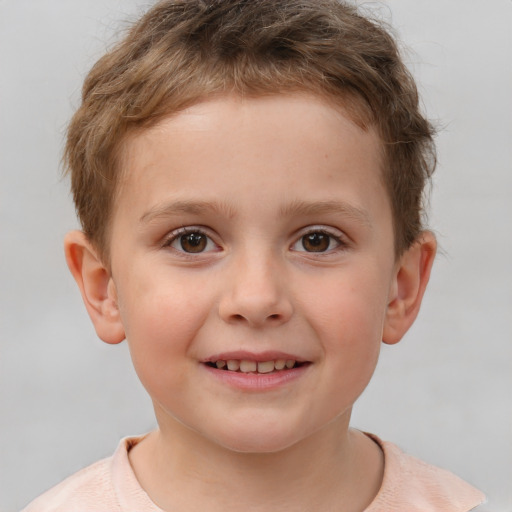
{"x": 96, "y": 286}
{"x": 410, "y": 281}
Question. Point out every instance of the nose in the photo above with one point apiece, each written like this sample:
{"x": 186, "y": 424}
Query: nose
{"x": 256, "y": 293}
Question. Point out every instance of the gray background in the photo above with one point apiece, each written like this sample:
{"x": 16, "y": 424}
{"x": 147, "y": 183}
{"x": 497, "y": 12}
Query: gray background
{"x": 443, "y": 394}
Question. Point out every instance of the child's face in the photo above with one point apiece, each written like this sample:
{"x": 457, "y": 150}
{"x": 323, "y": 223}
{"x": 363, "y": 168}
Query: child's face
{"x": 255, "y": 230}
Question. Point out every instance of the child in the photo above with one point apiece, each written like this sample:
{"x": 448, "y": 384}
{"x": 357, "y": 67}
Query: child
{"x": 249, "y": 179}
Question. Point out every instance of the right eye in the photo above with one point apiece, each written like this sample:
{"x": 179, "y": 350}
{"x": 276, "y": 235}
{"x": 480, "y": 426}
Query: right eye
{"x": 319, "y": 241}
{"x": 190, "y": 241}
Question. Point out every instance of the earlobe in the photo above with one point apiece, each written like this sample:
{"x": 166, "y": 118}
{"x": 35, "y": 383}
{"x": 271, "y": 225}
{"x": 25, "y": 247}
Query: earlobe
{"x": 410, "y": 281}
{"x": 96, "y": 286}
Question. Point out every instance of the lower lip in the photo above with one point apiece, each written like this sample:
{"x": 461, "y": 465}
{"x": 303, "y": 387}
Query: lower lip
{"x": 257, "y": 381}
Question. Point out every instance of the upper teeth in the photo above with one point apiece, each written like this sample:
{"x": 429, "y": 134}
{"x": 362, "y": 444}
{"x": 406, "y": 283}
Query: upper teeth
{"x": 247, "y": 366}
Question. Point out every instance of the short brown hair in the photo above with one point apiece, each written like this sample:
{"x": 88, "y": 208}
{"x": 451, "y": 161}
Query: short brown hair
{"x": 182, "y": 51}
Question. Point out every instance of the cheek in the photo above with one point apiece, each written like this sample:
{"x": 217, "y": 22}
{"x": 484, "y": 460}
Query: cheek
{"x": 348, "y": 320}
{"x": 160, "y": 325}
{"x": 350, "y": 310}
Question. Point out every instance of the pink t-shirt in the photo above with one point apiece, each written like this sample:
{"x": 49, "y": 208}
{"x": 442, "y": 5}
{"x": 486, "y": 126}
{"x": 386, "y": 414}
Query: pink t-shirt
{"x": 409, "y": 485}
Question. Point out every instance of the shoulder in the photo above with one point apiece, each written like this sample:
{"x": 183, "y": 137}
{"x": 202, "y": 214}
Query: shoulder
{"x": 109, "y": 485}
{"x": 411, "y": 485}
{"x": 90, "y": 487}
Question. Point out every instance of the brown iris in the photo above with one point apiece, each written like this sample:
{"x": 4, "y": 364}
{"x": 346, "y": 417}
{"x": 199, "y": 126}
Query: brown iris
{"x": 193, "y": 242}
{"x": 316, "y": 242}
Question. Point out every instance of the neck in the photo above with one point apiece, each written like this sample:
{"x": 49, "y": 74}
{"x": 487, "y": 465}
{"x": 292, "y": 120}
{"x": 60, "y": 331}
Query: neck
{"x": 184, "y": 471}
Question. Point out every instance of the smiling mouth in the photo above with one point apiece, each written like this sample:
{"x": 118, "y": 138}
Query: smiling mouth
{"x": 246, "y": 366}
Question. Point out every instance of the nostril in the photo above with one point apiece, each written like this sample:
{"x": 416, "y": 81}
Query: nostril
{"x": 274, "y": 317}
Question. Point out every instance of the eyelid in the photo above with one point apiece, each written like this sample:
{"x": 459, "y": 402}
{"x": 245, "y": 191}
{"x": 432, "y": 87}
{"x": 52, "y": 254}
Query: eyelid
{"x": 175, "y": 234}
{"x": 334, "y": 233}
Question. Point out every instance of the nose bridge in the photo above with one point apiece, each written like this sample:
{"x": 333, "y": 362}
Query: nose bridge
{"x": 256, "y": 291}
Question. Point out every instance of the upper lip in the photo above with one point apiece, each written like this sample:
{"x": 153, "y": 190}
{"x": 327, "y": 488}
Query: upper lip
{"x": 259, "y": 357}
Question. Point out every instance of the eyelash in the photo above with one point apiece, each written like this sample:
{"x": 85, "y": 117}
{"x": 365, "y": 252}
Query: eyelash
{"x": 183, "y": 231}
{"x": 338, "y": 239}
{"x": 179, "y": 233}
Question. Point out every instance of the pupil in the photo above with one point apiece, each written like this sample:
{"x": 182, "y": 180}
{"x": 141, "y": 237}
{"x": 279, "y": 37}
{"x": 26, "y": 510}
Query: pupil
{"x": 193, "y": 242}
{"x": 315, "y": 242}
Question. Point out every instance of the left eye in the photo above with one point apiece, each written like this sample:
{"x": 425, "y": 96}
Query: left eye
{"x": 192, "y": 242}
{"x": 316, "y": 241}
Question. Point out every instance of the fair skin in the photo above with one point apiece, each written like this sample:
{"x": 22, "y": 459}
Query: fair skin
{"x": 246, "y": 232}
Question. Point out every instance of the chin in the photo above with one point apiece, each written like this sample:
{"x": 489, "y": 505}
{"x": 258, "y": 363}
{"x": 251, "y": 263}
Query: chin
{"x": 257, "y": 446}
{"x": 248, "y": 432}
{"x": 261, "y": 440}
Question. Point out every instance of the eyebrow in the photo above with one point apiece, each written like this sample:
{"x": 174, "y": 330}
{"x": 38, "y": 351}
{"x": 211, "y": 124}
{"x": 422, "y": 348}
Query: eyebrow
{"x": 304, "y": 208}
{"x": 185, "y": 207}
{"x": 295, "y": 208}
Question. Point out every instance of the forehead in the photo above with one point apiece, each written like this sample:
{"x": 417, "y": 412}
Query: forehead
{"x": 293, "y": 144}
{"x": 281, "y": 118}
